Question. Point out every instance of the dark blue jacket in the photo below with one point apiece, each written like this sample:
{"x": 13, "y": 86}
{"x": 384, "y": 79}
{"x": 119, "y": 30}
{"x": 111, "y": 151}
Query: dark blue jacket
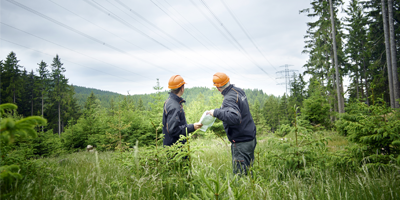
{"x": 174, "y": 120}
{"x": 235, "y": 114}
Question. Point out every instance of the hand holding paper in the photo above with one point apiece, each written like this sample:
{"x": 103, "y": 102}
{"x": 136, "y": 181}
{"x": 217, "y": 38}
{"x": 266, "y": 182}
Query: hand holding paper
{"x": 197, "y": 126}
{"x": 207, "y": 120}
{"x": 210, "y": 112}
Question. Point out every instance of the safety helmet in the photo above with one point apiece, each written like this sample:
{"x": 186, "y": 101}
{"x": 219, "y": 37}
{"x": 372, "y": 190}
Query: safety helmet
{"x": 176, "y": 81}
{"x": 220, "y": 79}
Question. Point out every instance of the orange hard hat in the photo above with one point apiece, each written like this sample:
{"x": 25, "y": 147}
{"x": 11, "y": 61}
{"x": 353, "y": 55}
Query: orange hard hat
{"x": 220, "y": 79}
{"x": 176, "y": 81}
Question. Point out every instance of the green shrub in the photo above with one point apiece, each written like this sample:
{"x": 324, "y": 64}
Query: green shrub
{"x": 376, "y": 130}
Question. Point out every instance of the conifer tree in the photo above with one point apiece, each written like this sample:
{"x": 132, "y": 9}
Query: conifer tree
{"x": 59, "y": 84}
{"x": 11, "y": 79}
{"x": 43, "y": 83}
{"x": 1, "y": 83}
{"x": 356, "y": 52}
{"x": 319, "y": 46}
{"x": 393, "y": 56}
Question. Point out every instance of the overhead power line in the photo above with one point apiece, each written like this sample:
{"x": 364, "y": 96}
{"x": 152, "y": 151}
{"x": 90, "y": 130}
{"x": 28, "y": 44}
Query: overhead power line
{"x": 81, "y": 33}
{"x": 66, "y": 60}
{"x": 109, "y": 13}
{"x": 248, "y": 36}
{"x": 73, "y": 50}
{"x": 234, "y": 39}
{"x": 99, "y": 26}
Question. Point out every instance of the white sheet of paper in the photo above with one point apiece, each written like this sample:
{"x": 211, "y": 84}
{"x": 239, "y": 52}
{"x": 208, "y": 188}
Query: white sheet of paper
{"x": 207, "y": 121}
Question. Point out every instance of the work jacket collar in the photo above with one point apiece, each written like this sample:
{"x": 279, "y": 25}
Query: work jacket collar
{"x": 226, "y": 90}
{"x": 175, "y": 97}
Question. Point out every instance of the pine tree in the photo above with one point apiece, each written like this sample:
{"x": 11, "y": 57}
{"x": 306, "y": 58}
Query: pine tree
{"x": 356, "y": 51}
{"x": 337, "y": 76}
{"x": 59, "y": 84}
{"x": 140, "y": 105}
{"x": 319, "y": 46}
{"x": 393, "y": 52}
{"x": 377, "y": 61}
{"x": 43, "y": 83}
{"x": 1, "y": 83}
{"x": 11, "y": 79}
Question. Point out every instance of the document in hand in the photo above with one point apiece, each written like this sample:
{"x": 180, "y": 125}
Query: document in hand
{"x": 207, "y": 121}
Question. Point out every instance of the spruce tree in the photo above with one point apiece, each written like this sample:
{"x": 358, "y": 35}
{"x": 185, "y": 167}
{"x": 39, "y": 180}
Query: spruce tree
{"x": 11, "y": 79}
{"x": 43, "y": 83}
{"x": 319, "y": 46}
{"x": 356, "y": 52}
{"x": 59, "y": 84}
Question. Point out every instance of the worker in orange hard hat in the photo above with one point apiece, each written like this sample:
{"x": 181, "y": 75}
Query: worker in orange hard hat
{"x": 174, "y": 120}
{"x": 238, "y": 123}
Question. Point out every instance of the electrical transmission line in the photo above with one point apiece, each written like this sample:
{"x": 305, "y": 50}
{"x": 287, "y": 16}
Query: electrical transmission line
{"x": 285, "y": 74}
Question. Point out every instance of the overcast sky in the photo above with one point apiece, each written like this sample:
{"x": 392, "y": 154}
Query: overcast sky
{"x": 121, "y": 45}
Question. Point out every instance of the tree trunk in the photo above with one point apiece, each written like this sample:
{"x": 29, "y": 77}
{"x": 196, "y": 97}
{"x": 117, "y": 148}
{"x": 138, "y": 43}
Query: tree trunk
{"x": 59, "y": 120}
{"x": 395, "y": 80}
{"x": 42, "y": 108}
{"x": 365, "y": 76}
{"x": 14, "y": 94}
{"x": 340, "y": 102}
{"x": 388, "y": 60}
{"x": 357, "y": 83}
{"x": 32, "y": 105}
{"x": 361, "y": 84}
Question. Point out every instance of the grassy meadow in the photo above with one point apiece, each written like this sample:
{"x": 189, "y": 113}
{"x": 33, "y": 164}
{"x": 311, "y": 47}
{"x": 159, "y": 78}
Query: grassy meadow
{"x": 135, "y": 175}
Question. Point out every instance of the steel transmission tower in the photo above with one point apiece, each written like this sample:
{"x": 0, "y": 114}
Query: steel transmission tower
{"x": 285, "y": 74}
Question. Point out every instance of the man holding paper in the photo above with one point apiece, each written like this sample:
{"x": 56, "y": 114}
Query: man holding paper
{"x": 174, "y": 120}
{"x": 238, "y": 123}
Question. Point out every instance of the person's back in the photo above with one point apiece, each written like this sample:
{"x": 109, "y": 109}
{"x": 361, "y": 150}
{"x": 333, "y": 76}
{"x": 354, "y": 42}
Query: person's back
{"x": 245, "y": 130}
{"x": 174, "y": 120}
{"x": 238, "y": 123}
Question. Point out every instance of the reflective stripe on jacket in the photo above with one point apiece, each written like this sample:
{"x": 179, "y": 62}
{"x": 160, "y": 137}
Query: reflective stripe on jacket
{"x": 235, "y": 114}
{"x": 174, "y": 120}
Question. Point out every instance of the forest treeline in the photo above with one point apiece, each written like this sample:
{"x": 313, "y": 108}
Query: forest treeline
{"x": 360, "y": 48}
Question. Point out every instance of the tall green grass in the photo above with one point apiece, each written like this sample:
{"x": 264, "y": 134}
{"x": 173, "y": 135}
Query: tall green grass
{"x": 83, "y": 176}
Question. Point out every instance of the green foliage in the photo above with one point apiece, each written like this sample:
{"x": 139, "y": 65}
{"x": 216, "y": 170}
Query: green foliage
{"x": 304, "y": 153}
{"x": 375, "y": 129}
{"x": 12, "y": 130}
{"x": 283, "y": 130}
{"x": 316, "y": 107}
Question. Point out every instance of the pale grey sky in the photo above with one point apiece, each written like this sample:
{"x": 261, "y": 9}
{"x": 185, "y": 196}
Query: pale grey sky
{"x": 120, "y": 45}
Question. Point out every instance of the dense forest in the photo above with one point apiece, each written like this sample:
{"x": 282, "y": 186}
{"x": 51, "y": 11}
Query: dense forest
{"x": 318, "y": 134}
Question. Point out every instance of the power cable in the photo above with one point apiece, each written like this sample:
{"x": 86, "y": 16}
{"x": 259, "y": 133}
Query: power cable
{"x": 72, "y": 50}
{"x": 105, "y": 10}
{"x": 180, "y": 25}
{"x": 215, "y": 26}
{"x": 65, "y": 59}
{"x": 188, "y": 31}
{"x": 98, "y": 26}
{"x": 115, "y": 34}
{"x": 80, "y": 33}
{"x": 234, "y": 39}
{"x": 144, "y": 19}
{"x": 248, "y": 36}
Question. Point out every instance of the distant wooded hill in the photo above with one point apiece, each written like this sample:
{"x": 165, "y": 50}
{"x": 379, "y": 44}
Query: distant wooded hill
{"x": 82, "y": 93}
